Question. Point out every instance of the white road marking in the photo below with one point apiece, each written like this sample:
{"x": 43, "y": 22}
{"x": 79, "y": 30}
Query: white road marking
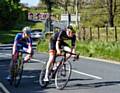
{"x": 38, "y": 61}
{"x": 27, "y": 76}
{"x": 93, "y": 76}
{"x": 4, "y": 54}
{"x": 96, "y": 77}
{"x": 4, "y": 88}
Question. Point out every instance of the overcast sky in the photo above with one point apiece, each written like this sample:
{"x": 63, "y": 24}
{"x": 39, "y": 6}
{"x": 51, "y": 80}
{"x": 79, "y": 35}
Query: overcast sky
{"x": 30, "y": 2}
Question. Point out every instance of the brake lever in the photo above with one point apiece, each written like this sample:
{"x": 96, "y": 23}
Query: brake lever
{"x": 76, "y": 57}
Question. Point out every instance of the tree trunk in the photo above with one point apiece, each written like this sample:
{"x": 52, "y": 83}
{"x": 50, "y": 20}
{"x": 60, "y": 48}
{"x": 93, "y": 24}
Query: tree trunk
{"x": 111, "y": 15}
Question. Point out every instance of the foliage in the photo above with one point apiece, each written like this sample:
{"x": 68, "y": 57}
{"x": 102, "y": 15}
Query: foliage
{"x": 10, "y": 12}
{"x": 42, "y": 45}
{"x": 7, "y": 36}
{"x": 93, "y": 12}
{"x": 107, "y": 50}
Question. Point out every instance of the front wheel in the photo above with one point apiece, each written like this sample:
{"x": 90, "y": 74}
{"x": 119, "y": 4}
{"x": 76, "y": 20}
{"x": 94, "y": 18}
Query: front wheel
{"x": 18, "y": 75}
{"x": 63, "y": 75}
{"x": 16, "y": 71}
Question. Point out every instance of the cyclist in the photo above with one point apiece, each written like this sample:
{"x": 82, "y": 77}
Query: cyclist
{"x": 57, "y": 42}
{"x": 22, "y": 41}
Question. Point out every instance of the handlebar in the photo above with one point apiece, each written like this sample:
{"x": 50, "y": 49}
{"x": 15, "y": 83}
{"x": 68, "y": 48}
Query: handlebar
{"x": 24, "y": 52}
{"x": 65, "y": 52}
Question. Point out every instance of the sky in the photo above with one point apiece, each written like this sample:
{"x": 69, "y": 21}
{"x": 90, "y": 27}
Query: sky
{"x": 30, "y": 2}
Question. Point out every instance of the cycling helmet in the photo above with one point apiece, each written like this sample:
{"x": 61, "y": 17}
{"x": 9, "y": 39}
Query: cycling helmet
{"x": 27, "y": 30}
{"x": 71, "y": 28}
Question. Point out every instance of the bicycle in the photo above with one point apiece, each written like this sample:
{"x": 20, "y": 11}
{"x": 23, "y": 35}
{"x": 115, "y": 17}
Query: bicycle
{"x": 16, "y": 69}
{"x": 61, "y": 74}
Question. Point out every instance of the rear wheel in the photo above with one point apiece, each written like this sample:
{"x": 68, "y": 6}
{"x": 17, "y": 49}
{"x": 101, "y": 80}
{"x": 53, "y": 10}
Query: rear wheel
{"x": 12, "y": 72}
{"x": 43, "y": 83}
{"x": 63, "y": 75}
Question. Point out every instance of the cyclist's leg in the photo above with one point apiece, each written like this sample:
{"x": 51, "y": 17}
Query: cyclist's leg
{"x": 49, "y": 63}
{"x": 13, "y": 60}
{"x": 14, "y": 57}
{"x": 67, "y": 48}
{"x": 52, "y": 52}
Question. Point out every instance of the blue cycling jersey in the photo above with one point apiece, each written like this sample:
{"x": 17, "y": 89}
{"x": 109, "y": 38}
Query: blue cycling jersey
{"x": 22, "y": 42}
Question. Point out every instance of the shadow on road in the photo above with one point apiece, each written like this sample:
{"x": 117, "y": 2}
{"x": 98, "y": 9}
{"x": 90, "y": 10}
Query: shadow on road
{"x": 91, "y": 85}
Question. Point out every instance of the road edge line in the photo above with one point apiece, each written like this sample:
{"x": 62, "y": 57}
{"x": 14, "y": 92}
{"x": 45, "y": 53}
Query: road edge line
{"x": 4, "y": 88}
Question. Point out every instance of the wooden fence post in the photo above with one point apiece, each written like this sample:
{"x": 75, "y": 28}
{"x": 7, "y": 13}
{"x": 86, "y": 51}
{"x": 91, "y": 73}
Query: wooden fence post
{"x": 98, "y": 33}
{"x": 107, "y": 33}
{"x": 115, "y": 33}
{"x": 79, "y": 35}
{"x": 90, "y": 33}
{"x": 84, "y": 33}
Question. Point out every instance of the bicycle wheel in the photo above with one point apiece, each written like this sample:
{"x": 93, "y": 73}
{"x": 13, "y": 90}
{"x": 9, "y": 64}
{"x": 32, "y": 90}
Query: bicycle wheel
{"x": 17, "y": 70}
{"x": 12, "y": 72}
{"x": 63, "y": 75}
{"x": 18, "y": 74}
{"x": 42, "y": 83}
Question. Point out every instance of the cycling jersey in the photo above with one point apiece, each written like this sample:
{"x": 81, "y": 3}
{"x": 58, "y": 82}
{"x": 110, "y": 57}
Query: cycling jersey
{"x": 22, "y": 42}
{"x": 61, "y": 36}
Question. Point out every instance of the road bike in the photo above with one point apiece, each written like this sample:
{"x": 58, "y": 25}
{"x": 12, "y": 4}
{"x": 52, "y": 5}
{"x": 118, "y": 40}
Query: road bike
{"x": 60, "y": 71}
{"x": 16, "y": 69}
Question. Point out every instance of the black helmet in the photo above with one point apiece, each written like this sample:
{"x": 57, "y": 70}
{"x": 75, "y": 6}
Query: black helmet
{"x": 71, "y": 28}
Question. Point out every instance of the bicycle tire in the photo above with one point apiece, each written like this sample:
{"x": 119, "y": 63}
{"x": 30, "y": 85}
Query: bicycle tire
{"x": 12, "y": 71}
{"x": 18, "y": 75}
{"x": 42, "y": 83}
{"x": 65, "y": 69}
{"x": 16, "y": 72}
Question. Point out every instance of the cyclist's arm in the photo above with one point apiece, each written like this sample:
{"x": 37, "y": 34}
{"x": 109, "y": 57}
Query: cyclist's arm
{"x": 73, "y": 44}
{"x": 73, "y": 49}
{"x": 58, "y": 43}
{"x": 57, "y": 47}
{"x": 14, "y": 47}
{"x": 29, "y": 50}
{"x": 15, "y": 44}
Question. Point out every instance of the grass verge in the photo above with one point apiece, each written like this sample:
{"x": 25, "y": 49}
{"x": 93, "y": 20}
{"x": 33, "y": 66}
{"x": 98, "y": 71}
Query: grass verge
{"x": 104, "y": 50}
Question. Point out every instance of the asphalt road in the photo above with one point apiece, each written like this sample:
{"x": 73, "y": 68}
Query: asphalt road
{"x": 88, "y": 76}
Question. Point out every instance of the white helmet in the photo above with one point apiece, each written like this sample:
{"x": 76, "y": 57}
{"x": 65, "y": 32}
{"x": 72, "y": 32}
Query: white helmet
{"x": 26, "y": 30}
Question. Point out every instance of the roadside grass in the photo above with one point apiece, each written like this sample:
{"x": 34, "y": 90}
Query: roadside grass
{"x": 7, "y": 36}
{"x": 43, "y": 45}
{"x": 104, "y": 50}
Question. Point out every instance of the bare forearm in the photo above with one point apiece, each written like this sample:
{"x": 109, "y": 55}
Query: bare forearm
{"x": 14, "y": 48}
{"x": 57, "y": 45}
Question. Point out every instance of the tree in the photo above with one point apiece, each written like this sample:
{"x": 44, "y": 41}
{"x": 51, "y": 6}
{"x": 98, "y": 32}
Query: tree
{"x": 9, "y": 13}
{"x": 101, "y": 9}
{"x": 111, "y": 6}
